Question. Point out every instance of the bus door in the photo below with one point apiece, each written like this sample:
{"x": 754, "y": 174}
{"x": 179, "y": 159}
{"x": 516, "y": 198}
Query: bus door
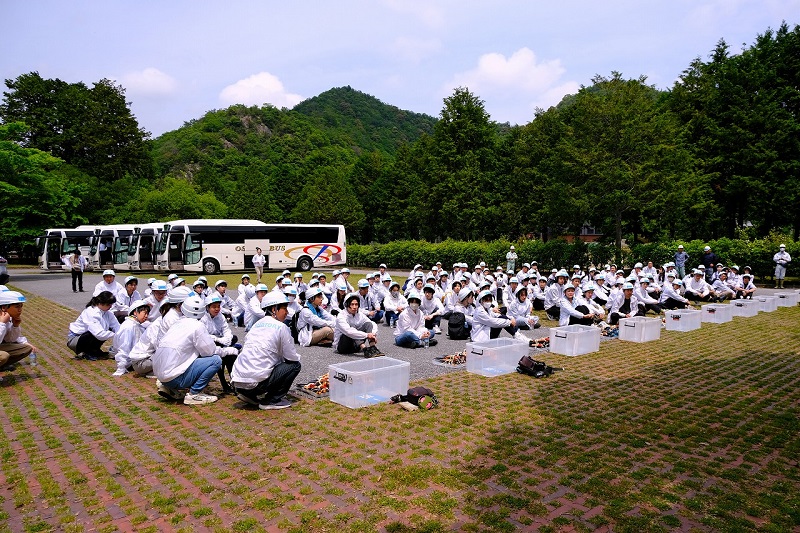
{"x": 147, "y": 251}
{"x": 120, "y": 252}
{"x": 192, "y": 249}
{"x": 53, "y": 253}
{"x": 175, "y": 251}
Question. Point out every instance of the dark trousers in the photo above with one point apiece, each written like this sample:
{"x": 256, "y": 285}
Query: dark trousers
{"x": 538, "y": 304}
{"x": 435, "y": 321}
{"x": 672, "y": 303}
{"x": 581, "y": 321}
{"x": 554, "y": 312}
{"x": 88, "y": 344}
{"x": 275, "y": 387}
{"x": 77, "y": 275}
{"x": 495, "y": 332}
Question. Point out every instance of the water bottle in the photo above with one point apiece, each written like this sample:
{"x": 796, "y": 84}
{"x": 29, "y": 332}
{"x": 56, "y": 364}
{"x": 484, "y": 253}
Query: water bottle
{"x": 426, "y": 342}
{"x": 394, "y": 322}
{"x": 32, "y": 359}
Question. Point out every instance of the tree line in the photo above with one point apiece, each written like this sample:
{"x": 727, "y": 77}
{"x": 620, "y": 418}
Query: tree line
{"x": 714, "y": 156}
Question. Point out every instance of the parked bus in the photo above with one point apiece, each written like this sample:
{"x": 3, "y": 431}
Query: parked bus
{"x": 211, "y": 246}
{"x": 142, "y": 247}
{"x": 104, "y": 244}
{"x": 55, "y": 243}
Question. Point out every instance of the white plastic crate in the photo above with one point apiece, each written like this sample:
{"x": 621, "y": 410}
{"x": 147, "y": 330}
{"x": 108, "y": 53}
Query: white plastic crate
{"x": 683, "y": 319}
{"x": 574, "y": 340}
{"x": 495, "y": 357}
{"x": 366, "y": 382}
{"x": 787, "y": 299}
{"x": 745, "y": 307}
{"x": 768, "y": 303}
{"x": 639, "y": 329}
{"x": 717, "y": 313}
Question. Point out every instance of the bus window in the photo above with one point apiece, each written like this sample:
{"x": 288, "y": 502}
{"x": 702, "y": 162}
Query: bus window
{"x": 193, "y": 249}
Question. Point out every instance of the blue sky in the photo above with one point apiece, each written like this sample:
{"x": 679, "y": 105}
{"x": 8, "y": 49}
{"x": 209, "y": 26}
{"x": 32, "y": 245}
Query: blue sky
{"x": 178, "y": 59}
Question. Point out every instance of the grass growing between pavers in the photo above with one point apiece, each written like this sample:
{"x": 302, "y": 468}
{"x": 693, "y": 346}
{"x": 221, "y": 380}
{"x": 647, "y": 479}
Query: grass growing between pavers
{"x": 699, "y": 430}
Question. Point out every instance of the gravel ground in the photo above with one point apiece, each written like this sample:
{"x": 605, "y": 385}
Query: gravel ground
{"x": 56, "y": 286}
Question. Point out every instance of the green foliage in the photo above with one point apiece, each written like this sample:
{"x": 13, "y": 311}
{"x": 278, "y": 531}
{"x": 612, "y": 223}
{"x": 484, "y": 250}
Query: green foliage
{"x": 172, "y": 199}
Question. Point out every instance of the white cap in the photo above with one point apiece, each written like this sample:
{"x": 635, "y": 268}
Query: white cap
{"x": 193, "y": 307}
{"x": 108, "y": 273}
{"x": 136, "y": 305}
{"x": 179, "y": 294}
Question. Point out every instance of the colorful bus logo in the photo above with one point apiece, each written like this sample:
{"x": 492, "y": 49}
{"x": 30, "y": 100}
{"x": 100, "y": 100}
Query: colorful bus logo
{"x": 325, "y": 253}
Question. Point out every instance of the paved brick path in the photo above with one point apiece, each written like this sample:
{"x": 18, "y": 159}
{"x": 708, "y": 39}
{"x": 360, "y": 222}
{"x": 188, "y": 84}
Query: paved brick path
{"x": 696, "y": 431}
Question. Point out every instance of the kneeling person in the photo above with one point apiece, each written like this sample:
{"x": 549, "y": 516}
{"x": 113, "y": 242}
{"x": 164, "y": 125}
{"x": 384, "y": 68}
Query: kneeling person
{"x": 354, "y": 331}
{"x": 13, "y": 346}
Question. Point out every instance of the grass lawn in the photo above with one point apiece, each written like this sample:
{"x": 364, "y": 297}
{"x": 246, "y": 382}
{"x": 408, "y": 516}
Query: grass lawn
{"x": 697, "y": 431}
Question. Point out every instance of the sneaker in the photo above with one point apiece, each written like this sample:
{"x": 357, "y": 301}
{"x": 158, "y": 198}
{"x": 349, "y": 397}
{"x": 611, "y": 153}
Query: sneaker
{"x": 437, "y": 330}
{"x": 150, "y": 375}
{"x": 377, "y": 352}
{"x": 168, "y": 393}
{"x": 433, "y": 342}
{"x": 246, "y": 399}
{"x": 198, "y": 399}
{"x": 283, "y": 403}
{"x": 119, "y": 372}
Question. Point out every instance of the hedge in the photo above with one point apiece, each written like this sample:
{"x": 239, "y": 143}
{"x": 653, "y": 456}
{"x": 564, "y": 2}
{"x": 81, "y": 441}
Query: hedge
{"x": 561, "y": 254}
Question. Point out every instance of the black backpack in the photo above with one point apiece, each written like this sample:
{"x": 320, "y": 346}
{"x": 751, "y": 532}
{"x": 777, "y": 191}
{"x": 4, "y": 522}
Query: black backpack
{"x": 531, "y": 367}
{"x": 457, "y": 327}
{"x": 419, "y": 396}
{"x": 293, "y": 327}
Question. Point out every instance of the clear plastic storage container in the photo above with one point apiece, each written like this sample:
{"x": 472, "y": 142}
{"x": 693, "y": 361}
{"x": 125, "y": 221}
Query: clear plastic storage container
{"x": 683, "y": 319}
{"x": 495, "y": 357}
{"x": 768, "y": 303}
{"x": 717, "y": 313}
{"x": 366, "y": 382}
{"x": 746, "y": 307}
{"x": 639, "y": 329}
{"x": 787, "y": 299}
{"x": 574, "y": 340}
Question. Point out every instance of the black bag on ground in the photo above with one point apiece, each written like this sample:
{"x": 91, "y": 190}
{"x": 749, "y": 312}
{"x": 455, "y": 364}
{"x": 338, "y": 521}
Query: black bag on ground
{"x": 531, "y": 367}
{"x": 457, "y": 327}
{"x": 420, "y": 396}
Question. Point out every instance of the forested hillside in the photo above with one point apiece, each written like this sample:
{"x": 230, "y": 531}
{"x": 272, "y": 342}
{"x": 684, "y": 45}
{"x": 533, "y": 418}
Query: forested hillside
{"x": 716, "y": 155}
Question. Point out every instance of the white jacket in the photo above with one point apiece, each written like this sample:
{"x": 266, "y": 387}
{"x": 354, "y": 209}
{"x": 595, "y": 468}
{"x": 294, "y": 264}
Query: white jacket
{"x": 269, "y": 343}
{"x": 347, "y": 324}
{"x": 123, "y": 303}
{"x": 483, "y": 321}
{"x": 392, "y": 304}
{"x": 308, "y": 320}
{"x": 181, "y": 345}
{"x": 218, "y": 328}
{"x": 101, "y": 324}
{"x": 114, "y": 287}
{"x": 128, "y": 334}
{"x": 409, "y": 320}
{"x": 253, "y": 312}
{"x": 568, "y": 309}
{"x": 553, "y": 295}
{"x": 619, "y": 302}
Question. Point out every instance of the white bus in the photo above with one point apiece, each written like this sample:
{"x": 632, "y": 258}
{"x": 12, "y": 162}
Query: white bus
{"x": 110, "y": 243}
{"x": 55, "y": 243}
{"x": 211, "y": 246}
{"x": 142, "y": 247}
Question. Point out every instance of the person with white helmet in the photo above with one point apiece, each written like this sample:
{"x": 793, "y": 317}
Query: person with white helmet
{"x": 721, "y": 290}
{"x": 157, "y": 297}
{"x": 14, "y": 347}
{"x": 353, "y": 331}
{"x": 186, "y": 357}
{"x": 368, "y": 306}
{"x": 643, "y": 295}
{"x": 278, "y": 287}
{"x": 227, "y": 347}
{"x": 108, "y": 283}
{"x": 258, "y": 263}
{"x": 536, "y": 292}
{"x": 697, "y": 289}
{"x": 128, "y": 334}
{"x": 415, "y": 285}
{"x": 198, "y": 287}
{"x": 325, "y": 287}
{"x": 411, "y": 331}
{"x": 554, "y": 294}
{"x": 588, "y": 300}
{"x": 315, "y": 324}
{"x": 477, "y": 275}
{"x": 681, "y": 257}
{"x": 521, "y": 310}
{"x": 450, "y": 299}
{"x": 126, "y": 297}
{"x": 432, "y": 309}
{"x": 574, "y": 309}
{"x": 95, "y": 325}
{"x": 746, "y": 287}
{"x": 299, "y": 284}
{"x": 336, "y": 304}
{"x": 511, "y": 258}
{"x": 268, "y": 365}
{"x": 344, "y": 275}
{"x": 781, "y": 260}
{"x": 394, "y": 303}
{"x": 625, "y": 306}
{"x": 245, "y": 291}
{"x": 486, "y": 324}
{"x": 254, "y": 311}
{"x": 671, "y": 297}
{"x": 509, "y": 293}
{"x": 600, "y": 292}
{"x": 226, "y": 302}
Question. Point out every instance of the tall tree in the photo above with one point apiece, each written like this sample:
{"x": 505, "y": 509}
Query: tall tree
{"x": 90, "y": 128}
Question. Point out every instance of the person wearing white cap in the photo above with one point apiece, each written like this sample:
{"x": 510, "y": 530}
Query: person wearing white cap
{"x": 477, "y": 276}
{"x": 721, "y": 289}
{"x": 95, "y": 325}
{"x": 432, "y": 308}
{"x": 781, "y": 260}
{"x": 336, "y": 303}
{"x": 681, "y": 257}
{"x": 710, "y": 260}
{"x": 746, "y": 287}
{"x": 158, "y": 297}
{"x": 382, "y": 269}
{"x": 344, "y": 274}
{"x": 521, "y": 308}
{"x": 450, "y": 299}
{"x": 394, "y": 303}
{"x": 126, "y": 297}
{"x": 269, "y": 363}
{"x": 186, "y": 357}
{"x": 315, "y": 324}
{"x": 253, "y": 312}
{"x": 226, "y": 302}
{"x": 368, "y": 306}
{"x": 415, "y": 285}
{"x": 258, "y": 264}
{"x": 245, "y": 291}
{"x": 108, "y": 283}
{"x": 574, "y": 309}
{"x": 353, "y": 331}
{"x": 536, "y": 292}
{"x": 644, "y": 297}
{"x": 671, "y": 297}
{"x": 13, "y": 346}
{"x": 511, "y": 258}
{"x": 554, "y": 294}
{"x": 128, "y": 334}
{"x": 698, "y": 289}
{"x": 486, "y": 324}
{"x": 411, "y": 331}
{"x": 299, "y": 284}
{"x": 626, "y": 306}
{"x": 216, "y": 325}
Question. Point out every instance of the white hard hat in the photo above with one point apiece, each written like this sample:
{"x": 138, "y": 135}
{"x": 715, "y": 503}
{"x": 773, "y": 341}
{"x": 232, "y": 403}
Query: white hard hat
{"x": 414, "y": 295}
{"x": 212, "y": 299}
{"x": 483, "y": 294}
{"x": 462, "y": 295}
{"x": 627, "y": 286}
{"x": 137, "y": 304}
{"x": 108, "y": 273}
{"x": 262, "y": 287}
{"x": 273, "y": 298}
{"x": 131, "y": 278}
{"x": 313, "y": 291}
{"x": 11, "y": 297}
{"x": 159, "y": 285}
{"x": 193, "y": 307}
{"x": 179, "y": 294}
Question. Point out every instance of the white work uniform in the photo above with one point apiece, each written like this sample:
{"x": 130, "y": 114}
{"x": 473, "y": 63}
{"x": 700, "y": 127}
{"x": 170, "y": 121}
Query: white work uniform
{"x": 269, "y": 343}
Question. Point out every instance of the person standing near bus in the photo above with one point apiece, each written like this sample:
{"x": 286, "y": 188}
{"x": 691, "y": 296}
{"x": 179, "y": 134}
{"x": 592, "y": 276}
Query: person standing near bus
{"x": 258, "y": 263}
{"x": 77, "y": 264}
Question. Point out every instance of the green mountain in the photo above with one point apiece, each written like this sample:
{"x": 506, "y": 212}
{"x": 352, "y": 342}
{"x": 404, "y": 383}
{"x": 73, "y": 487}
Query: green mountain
{"x": 368, "y": 122}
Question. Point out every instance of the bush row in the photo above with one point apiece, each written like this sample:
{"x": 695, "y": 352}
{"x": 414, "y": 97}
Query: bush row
{"x": 561, "y": 254}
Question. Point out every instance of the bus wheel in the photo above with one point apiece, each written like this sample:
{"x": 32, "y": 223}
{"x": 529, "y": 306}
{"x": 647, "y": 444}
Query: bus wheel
{"x": 305, "y": 264}
{"x": 210, "y": 266}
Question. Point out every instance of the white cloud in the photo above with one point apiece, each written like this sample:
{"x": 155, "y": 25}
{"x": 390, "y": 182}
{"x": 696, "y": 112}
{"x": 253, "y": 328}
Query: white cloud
{"x": 149, "y": 82}
{"x": 259, "y": 89}
{"x": 514, "y": 86}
